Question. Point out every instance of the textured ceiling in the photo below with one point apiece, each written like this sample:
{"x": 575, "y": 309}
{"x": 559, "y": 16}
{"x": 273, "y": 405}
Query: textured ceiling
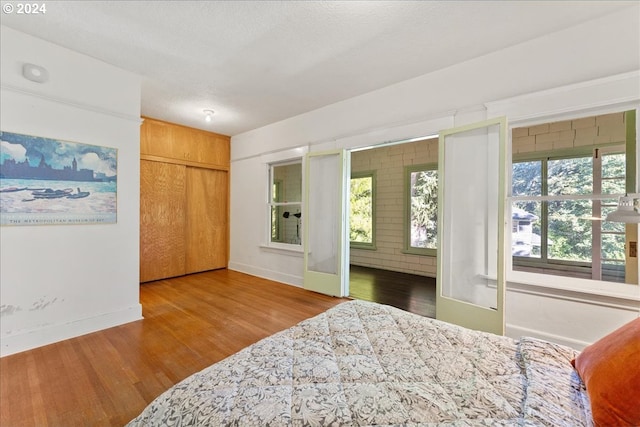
{"x": 259, "y": 62}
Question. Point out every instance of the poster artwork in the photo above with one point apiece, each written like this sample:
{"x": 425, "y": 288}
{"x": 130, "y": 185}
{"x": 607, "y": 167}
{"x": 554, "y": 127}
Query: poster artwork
{"x": 47, "y": 181}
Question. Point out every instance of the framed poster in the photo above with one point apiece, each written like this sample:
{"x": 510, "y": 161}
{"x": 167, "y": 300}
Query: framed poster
{"x": 46, "y": 181}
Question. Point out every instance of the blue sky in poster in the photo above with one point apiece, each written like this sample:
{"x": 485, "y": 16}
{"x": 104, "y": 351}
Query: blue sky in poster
{"x": 57, "y": 154}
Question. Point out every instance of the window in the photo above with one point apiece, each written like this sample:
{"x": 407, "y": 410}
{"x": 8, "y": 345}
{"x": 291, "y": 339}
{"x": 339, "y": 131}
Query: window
{"x": 285, "y": 206}
{"x": 421, "y": 206}
{"x": 362, "y": 215}
{"x": 565, "y": 235}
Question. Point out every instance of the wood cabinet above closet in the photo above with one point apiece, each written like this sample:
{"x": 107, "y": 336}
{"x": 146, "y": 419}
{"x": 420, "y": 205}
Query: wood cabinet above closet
{"x": 183, "y": 145}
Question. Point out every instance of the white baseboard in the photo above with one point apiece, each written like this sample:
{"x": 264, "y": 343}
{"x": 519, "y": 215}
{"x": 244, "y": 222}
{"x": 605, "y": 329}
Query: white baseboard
{"x": 265, "y": 273}
{"x": 53, "y": 333}
{"x": 514, "y": 331}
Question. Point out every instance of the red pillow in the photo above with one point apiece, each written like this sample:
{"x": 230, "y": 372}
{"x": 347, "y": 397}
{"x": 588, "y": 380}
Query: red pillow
{"x": 610, "y": 368}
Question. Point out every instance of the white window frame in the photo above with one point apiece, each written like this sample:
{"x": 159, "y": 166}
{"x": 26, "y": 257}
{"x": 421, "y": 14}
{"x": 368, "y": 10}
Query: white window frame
{"x": 407, "y": 248}
{"x": 596, "y": 97}
{"x": 556, "y": 266}
{"x": 291, "y": 156}
{"x": 364, "y": 245}
{"x": 294, "y": 203}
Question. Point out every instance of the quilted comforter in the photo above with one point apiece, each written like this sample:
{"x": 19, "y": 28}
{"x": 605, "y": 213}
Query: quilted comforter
{"x": 364, "y": 364}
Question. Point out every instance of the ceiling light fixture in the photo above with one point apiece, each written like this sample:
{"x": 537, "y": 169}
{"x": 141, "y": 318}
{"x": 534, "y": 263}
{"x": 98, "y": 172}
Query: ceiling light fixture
{"x": 208, "y": 114}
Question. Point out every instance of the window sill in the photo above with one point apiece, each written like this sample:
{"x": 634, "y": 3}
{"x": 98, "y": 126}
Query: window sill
{"x": 555, "y": 284}
{"x": 284, "y": 249}
{"x": 423, "y": 252}
{"x": 363, "y": 247}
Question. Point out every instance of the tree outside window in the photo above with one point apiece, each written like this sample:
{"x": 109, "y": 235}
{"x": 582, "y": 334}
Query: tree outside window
{"x": 568, "y": 236}
{"x": 422, "y": 209}
{"x": 362, "y": 217}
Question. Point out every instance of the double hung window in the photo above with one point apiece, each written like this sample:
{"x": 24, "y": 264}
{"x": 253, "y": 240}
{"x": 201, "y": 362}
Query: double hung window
{"x": 285, "y": 203}
{"x": 564, "y": 234}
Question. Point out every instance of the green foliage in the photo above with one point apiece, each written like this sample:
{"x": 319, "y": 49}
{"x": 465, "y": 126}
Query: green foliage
{"x": 424, "y": 209}
{"x": 570, "y": 230}
{"x": 569, "y": 225}
{"x": 361, "y": 219}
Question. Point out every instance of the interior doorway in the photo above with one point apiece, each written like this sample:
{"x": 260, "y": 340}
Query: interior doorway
{"x": 392, "y": 257}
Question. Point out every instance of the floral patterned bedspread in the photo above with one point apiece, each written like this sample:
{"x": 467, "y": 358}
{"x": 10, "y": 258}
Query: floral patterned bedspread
{"x": 365, "y": 364}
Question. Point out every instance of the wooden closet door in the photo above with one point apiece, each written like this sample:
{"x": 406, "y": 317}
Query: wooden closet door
{"x": 207, "y": 218}
{"x": 162, "y": 220}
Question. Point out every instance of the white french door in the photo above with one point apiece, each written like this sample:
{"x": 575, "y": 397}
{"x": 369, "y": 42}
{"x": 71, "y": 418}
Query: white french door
{"x": 470, "y": 284}
{"x": 325, "y": 223}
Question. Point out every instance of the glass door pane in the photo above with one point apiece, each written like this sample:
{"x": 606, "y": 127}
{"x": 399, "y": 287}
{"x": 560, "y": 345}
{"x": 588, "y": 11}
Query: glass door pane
{"x": 325, "y": 226}
{"x": 323, "y": 206}
{"x": 471, "y": 226}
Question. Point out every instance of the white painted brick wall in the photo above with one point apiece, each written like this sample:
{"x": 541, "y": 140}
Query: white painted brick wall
{"x": 583, "y": 132}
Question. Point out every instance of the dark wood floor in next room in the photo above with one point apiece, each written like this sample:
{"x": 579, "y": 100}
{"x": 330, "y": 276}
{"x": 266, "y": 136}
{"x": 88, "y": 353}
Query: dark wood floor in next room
{"x": 409, "y": 292}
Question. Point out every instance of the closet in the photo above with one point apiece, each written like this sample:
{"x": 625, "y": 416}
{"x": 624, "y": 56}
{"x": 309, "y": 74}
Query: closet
{"x": 184, "y": 200}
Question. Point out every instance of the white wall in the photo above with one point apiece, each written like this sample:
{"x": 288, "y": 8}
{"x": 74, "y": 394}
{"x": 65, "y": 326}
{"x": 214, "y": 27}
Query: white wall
{"x": 62, "y": 281}
{"x": 607, "y": 46}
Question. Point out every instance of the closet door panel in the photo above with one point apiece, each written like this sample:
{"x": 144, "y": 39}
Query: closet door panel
{"x": 207, "y": 219}
{"x": 162, "y": 220}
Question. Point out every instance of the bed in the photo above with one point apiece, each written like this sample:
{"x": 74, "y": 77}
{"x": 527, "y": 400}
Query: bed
{"x": 365, "y": 364}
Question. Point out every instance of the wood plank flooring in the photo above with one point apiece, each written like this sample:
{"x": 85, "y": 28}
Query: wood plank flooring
{"x": 409, "y": 292}
{"x": 106, "y": 378}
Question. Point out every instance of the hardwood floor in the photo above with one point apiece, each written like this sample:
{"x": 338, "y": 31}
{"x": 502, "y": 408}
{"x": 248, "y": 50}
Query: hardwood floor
{"x": 409, "y": 292}
{"x": 106, "y": 378}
